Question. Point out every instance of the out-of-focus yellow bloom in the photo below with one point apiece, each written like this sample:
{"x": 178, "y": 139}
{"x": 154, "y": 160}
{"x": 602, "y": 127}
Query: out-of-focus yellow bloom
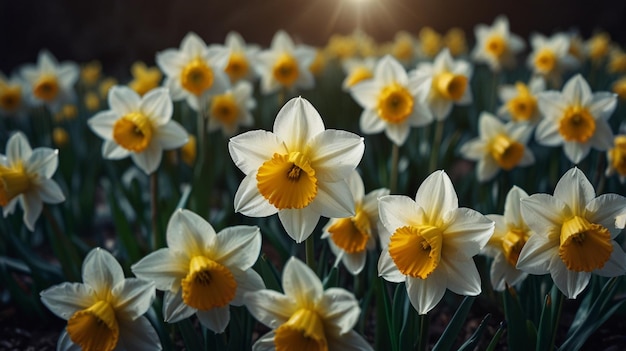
{"x": 60, "y": 136}
{"x": 430, "y": 42}
{"x": 342, "y": 46}
{"x": 144, "y": 78}
{"x": 189, "y": 151}
{"x": 319, "y": 63}
{"x": 11, "y": 97}
{"x": 403, "y": 47}
{"x": 617, "y": 158}
{"x": 67, "y": 112}
{"x": 619, "y": 88}
{"x": 617, "y": 61}
{"x": 105, "y": 85}
{"x": 90, "y": 73}
{"x": 598, "y": 46}
{"x": 455, "y": 41}
{"x": 91, "y": 101}
{"x": 357, "y": 70}
{"x": 577, "y": 48}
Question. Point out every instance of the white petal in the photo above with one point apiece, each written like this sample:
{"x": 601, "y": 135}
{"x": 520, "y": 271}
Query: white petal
{"x": 215, "y": 319}
{"x": 398, "y": 211}
{"x": 486, "y": 169}
{"x": 192, "y": 45}
{"x": 603, "y": 105}
{"x": 425, "y": 294}
{"x": 440, "y": 108}
{"x": 101, "y": 271}
{"x": 138, "y": 335}
{"x": 389, "y": 70}
{"x": 463, "y": 276}
{"x": 333, "y": 200}
{"x": 616, "y": 265}
{"x": 50, "y": 192}
{"x": 65, "y": 343}
{"x": 605, "y": 209}
{"x": 339, "y": 309}
{"x": 251, "y": 149}
{"x": 543, "y": 213}
{"x": 249, "y": 201}
{"x": 547, "y": 133}
{"x": 18, "y": 148}
{"x": 569, "y": 282}
{"x": 602, "y": 139}
{"x": 551, "y": 104}
{"x": 123, "y": 100}
{"x": 68, "y": 74}
{"x": 175, "y": 88}
{"x": 172, "y": 135}
{"x": 133, "y": 297}
{"x": 388, "y": 269}
{"x": 301, "y": 283}
{"x": 265, "y": 343}
{"x": 371, "y": 123}
{"x": 397, "y": 133}
{"x": 238, "y": 246}
{"x": 43, "y": 161}
{"x": 102, "y": 123}
{"x": 188, "y": 233}
{"x": 354, "y": 262}
{"x": 366, "y": 93}
{"x": 270, "y": 307}
{"x": 157, "y": 105}
{"x": 112, "y": 151}
{"x": 473, "y": 150}
{"x": 297, "y": 122}
{"x": 575, "y": 190}
{"x": 67, "y": 298}
{"x": 577, "y": 90}
{"x": 171, "y": 62}
{"x": 299, "y": 223}
{"x": 575, "y": 151}
{"x": 536, "y": 255}
{"x": 467, "y": 233}
{"x": 32, "y": 206}
{"x": 149, "y": 159}
{"x": 512, "y": 206}
{"x": 248, "y": 281}
{"x": 174, "y": 309}
{"x": 163, "y": 268}
{"x": 336, "y": 154}
{"x": 350, "y": 341}
{"x": 437, "y": 196}
{"x": 420, "y": 116}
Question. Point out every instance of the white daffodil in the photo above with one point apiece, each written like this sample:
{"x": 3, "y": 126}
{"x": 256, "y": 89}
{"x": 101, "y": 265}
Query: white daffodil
{"x": 496, "y": 45}
{"x": 443, "y": 83}
{"x": 432, "y": 242}
{"x": 231, "y": 109}
{"x": 576, "y": 118}
{"x": 12, "y": 101}
{"x": 350, "y": 238}
{"x": 237, "y": 58}
{"x": 105, "y": 312}
{"x": 306, "y": 317}
{"x": 390, "y": 102}
{"x": 357, "y": 70}
{"x": 298, "y": 171}
{"x": 616, "y": 158}
{"x": 203, "y": 272}
{"x": 49, "y": 82}
{"x": 25, "y": 176}
{"x": 191, "y": 71}
{"x": 519, "y": 101}
{"x": 499, "y": 146}
{"x": 574, "y": 234}
{"x": 550, "y": 57}
{"x": 139, "y": 127}
{"x": 509, "y": 237}
{"x": 285, "y": 65}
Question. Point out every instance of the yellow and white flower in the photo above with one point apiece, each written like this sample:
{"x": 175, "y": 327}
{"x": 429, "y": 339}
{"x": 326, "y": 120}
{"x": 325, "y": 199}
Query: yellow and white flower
{"x": 550, "y": 57}
{"x": 432, "y": 242}
{"x": 106, "y": 311}
{"x": 390, "y": 102}
{"x": 509, "y": 237}
{"x": 191, "y": 72}
{"x": 357, "y": 71}
{"x": 499, "y": 146}
{"x": 519, "y": 101}
{"x": 298, "y": 171}
{"x": 12, "y": 100}
{"x": 576, "y": 118}
{"x": 139, "y": 127}
{"x": 496, "y": 45}
{"x": 574, "y": 234}
{"x": 49, "y": 82}
{"x": 25, "y": 177}
{"x": 144, "y": 78}
{"x": 616, "y": 158}
{"x": 237, "y": 58}
{"x": 231, "y": 109}
{"x": 201, "y": 271}
{"x": 350, "y": 238}
{"x": 443, "y": 83}
{"x": 306, "y": 317}
{"x": 285, "y": 65}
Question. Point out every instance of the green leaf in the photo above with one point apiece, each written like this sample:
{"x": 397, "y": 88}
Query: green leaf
{"x": 332, "y": 279}
{"x": 449, "y": 335}
{"x": 268, "y": 272}
{"x": 545, "y": 330}
{"x": 191, "y": 339}
{"x": 473, "y": 340}
{"x": 496, "y": 337}
{"x": 517, "y": 335}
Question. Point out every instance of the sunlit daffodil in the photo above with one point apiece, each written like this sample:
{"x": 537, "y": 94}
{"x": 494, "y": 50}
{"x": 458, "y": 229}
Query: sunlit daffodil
{"x": 496, "y": 46}
{"x": 106, "y": 311}
{"x": 12, "y": 101}
{"x": 432, "y": 242}
{"x": 576, "y": 118}
{"x": 191, "y": 71}
{"x": 574, "y": 234}
{"x": 519, "y": 101}
{"x": 25, "y": 177}
{"x": 237, "y": 58}
{"x": 139, "y": 127}
{"x": 298, "y": 171}
{"x": 231, "y": 109}
{"x": 550, "y": 57}
{"x": 306, "y": 317}
{"x": 616, "y": 158}
{"x": 357, "y": 70}
{"x": 499, "y": 146}
{"x": 285, "y": 65}
{"x": 144, "y": 78}
{"x": 49, "y": 82}
{"x": 430, "y": 42}
{"x": 509, "y": 237}
{"x": 443, "y": 83}
{"x": 350, "y": 238}
{"x": 455, "y": 41}
{"x": 203, "y": 272}
{"x": 390, "y": 102}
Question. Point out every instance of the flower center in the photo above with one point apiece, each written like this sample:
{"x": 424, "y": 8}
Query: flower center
{"x": 395, "y": 103}
{"x": 416, "y": 250}
{"x": 577, "y": 124}
{"x": 524, "y": 106}
{"x": 496, "y": 46}
{"x": 545, "y": 60}
{"x": 584, "y": 246}
{"x": 351, "y": 234}
{"x": 10, "y": 98}
{"x": 196, "y": 77}
{"x": 94, "y": 328}
{"x": 285, "y": 70}
{"x": 237, "y": 66}
{"x": 358, "y": 75}
{"x": 287, "y": 181}
{"x": 224, "y": 108}
{"x": 133, "y": 132}
{"x": 506, "y": 151}
{"x": 13, "y": 182}
{"x": 46, "y": 88}
{"x": 617, "y": 155}
{"x": 512, "y": 244}
{"x": 449, "y": 85}
{"x": 304, "y": 331}
{"x": 208, "y": 284}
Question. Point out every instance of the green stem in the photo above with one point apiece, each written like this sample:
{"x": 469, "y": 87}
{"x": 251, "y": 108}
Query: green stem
{"x": 557, "y": 315}
{"x": 157, "y": 240}
{"x": 422, "y": 343}
{"x": 494, "y": 91}
{"x": 393, "y": 177}
{"x": 71, "y": 259}
{"x": 434, "y": 154}
{"x": 310, "y": 252}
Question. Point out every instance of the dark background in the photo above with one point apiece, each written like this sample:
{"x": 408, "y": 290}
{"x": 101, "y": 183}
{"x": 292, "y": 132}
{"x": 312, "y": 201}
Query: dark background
{"x": 119, "y": 32}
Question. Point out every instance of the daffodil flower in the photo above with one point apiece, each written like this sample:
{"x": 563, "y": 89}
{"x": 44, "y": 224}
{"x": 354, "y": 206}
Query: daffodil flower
{"x": 12, "y": 99}
{"x": 519, "y": 101}
{"x": 25, "y": 177}
{"x": 616, "y": 158}
{"x": 139, "y": 127}
{"x": 574, "y": 234}
{"x": 237, "y": 58}
{"x": 432, "y": 242}
{"x": 201, "y": 271}
{"x": 231, "y": 109}
{"x": 144, "y": 78}
{"x": 350, "y": 238}
{"x": 499, "y": 146}
{"x": 390, "y": 102}
{"x": 443, "y": 83}
{"x": 306, "y": 317}
{"x": 357, "y": 70}
{"x": 576, "y": 118}
{"x": 298, "y": 171}
{"x": 509, "y": 237}
{"x": 550, "y": 57}
{"x": 496, "y": 45}
{"x": 50, "y": 83}
{"x": 105, "y": 312}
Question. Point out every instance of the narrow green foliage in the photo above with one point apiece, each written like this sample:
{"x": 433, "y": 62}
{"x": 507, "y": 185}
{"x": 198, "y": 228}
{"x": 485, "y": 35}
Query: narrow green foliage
{"x": 446, "y": 341}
